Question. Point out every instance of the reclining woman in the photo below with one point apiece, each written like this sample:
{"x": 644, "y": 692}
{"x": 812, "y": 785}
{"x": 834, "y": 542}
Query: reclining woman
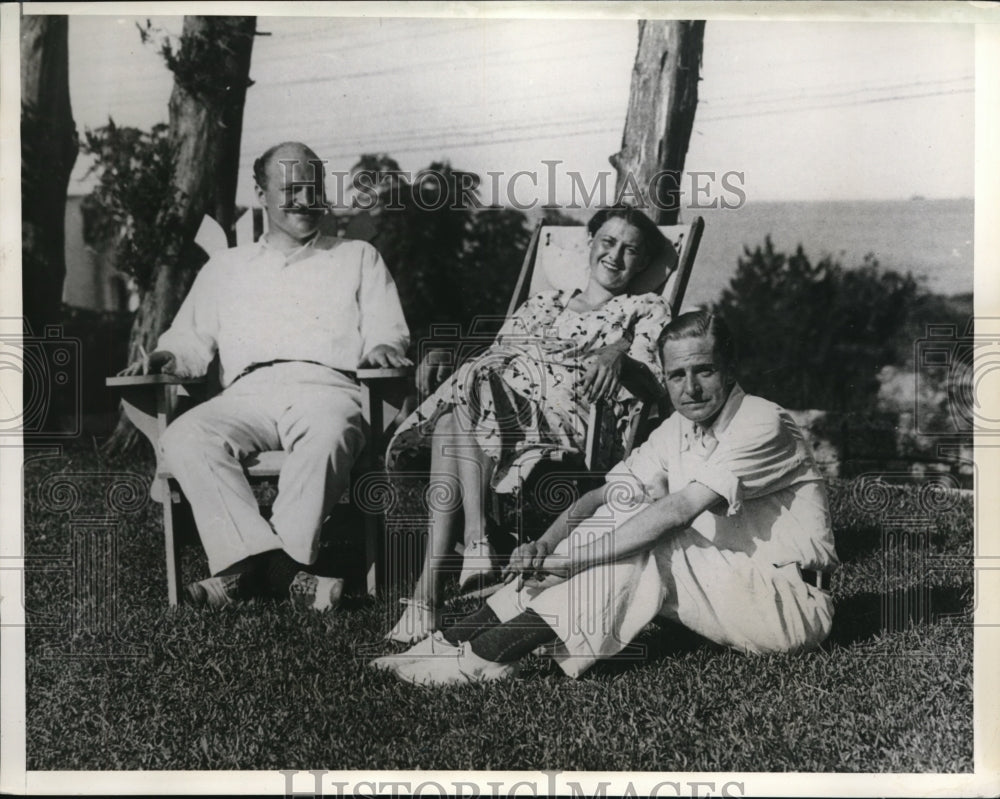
{"x": 528, "y": 397}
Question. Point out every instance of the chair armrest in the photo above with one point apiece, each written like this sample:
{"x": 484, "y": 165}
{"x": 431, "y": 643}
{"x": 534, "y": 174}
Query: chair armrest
{"x": 366, "y": 375}
{"x": 640, "y": 383}
{"x": 150, "y": 401}
{"x": 123, "y": 381}
{"x": 601, "y": 423}
{"x": 387, "y": 397}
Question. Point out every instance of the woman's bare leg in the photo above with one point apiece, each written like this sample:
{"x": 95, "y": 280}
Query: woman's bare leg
{"x": 475, "y": 468}
{"x": 445, "y": 501}
{"x": 460, "y": 475}
{"x": 460, "y": 478}
{"x": 444, "y": 495}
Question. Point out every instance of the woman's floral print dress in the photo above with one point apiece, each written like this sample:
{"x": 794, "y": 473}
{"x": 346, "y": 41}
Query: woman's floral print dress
{"x": 522, "y": 399}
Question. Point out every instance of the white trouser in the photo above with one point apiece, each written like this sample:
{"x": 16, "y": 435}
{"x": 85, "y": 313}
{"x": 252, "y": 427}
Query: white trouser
{"x": 311, "y": 412}
{"x": 724, "y": 595}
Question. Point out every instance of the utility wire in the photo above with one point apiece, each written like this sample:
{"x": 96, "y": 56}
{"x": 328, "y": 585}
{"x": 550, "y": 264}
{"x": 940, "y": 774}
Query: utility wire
{"x": 440, "y": 147}
{"x": 336, "y": 47}
{"x": 869, "y": 101}
{"x": 588, "y": 118}
{"x": 547, "y": 125}
{"x": 483, "y": 57}
{"x": 386, "y": 146}
{"x": 808, "y": 94}
{"x": 444, "y": 138}
{"x": 710, "y": 103}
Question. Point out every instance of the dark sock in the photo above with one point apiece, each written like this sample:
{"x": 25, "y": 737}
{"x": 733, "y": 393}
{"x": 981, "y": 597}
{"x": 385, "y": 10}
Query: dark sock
{"x": 472, "y": 625}
{"x": 279, "y": 571}
{"x": 240, "y": 567}
{"x": 514, "y": 639}
{"x": 251, "y": 571}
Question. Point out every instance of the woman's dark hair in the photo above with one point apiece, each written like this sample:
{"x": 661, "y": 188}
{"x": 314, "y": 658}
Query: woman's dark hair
{"x": 654, "y": 241}
{"x": 703, "y": 324}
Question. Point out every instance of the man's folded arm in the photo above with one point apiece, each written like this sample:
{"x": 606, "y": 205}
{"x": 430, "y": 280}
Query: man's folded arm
{"x": 643, "y": 531}
{"x": 571, "y": 518}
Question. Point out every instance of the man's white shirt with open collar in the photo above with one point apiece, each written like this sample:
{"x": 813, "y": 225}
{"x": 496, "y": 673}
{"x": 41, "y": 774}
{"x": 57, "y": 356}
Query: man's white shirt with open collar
{"x": 755, "y": 457}
{"x": 254, "y": 304}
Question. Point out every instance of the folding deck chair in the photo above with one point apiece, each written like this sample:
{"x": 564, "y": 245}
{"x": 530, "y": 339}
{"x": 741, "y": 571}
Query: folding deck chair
{"x": 151, "y": 402}
{"x": 557, "y": 258}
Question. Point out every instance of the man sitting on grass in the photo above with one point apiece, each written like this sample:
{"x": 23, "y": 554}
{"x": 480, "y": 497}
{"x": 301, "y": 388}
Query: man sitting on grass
{"x": 719, "y": 521}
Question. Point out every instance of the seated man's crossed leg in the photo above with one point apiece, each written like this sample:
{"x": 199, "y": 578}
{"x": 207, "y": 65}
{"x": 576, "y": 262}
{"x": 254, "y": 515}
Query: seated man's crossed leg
{"x": 319, "y": 424}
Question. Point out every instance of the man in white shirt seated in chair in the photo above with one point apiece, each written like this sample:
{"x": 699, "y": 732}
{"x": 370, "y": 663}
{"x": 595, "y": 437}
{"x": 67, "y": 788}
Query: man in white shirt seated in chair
{"x": 719, "y": 521}
{"x": 291, "y": 318}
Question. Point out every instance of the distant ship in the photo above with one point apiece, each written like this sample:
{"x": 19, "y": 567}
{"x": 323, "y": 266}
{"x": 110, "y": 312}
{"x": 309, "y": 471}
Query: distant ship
{"x": 918, "y": 197}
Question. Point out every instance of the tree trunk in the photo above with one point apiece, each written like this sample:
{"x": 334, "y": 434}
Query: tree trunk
{"x": 662, "y": 103}
{"x": 211, "y": 76}
{"x": 48, "y": 151}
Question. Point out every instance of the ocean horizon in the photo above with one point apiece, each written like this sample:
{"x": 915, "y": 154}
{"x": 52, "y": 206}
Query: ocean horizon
{"x": 930, "y": 238}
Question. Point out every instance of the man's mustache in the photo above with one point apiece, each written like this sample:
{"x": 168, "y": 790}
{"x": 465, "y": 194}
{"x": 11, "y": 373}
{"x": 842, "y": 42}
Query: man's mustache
{"x": 314, "y": 208}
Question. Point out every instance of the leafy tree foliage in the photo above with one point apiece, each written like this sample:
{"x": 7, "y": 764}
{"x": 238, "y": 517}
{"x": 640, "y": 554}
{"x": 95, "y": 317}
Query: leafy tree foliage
{"x": 133, "y": 205}
{"x": 933, "y": 387}
{"x": 497, "y": 241}
{"x": 453, "y": 261}
{"x": 197, "y": 60}
{"x": 816, "y": 335}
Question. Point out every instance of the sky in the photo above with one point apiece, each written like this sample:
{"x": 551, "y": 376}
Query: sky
{"x": 805, "y": 111}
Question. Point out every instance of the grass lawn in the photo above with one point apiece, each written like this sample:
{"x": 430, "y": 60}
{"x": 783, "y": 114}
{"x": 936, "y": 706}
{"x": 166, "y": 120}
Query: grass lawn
{"x": 266, "y": 687}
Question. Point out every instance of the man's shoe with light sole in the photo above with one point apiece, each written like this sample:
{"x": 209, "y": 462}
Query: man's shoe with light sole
{"x": 434, "y": 645}
{"x": 462, "y": 668}
{"x": 215, "y": 592}
{"x": 309, "y": 591}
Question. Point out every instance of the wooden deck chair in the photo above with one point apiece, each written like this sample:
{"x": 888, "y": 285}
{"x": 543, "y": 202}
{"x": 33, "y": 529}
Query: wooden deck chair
{"x": 557, "y": 258}
{"x": 151, "y": 402}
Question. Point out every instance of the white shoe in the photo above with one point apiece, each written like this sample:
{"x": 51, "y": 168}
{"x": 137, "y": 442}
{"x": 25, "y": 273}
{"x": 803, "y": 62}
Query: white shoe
{"x": 417, "y": 622}
{"x": 434, "y": 645}
{"x": 478, "y": 561}
{"x": 314, "y": 592}
{"x": 462, "y": 667}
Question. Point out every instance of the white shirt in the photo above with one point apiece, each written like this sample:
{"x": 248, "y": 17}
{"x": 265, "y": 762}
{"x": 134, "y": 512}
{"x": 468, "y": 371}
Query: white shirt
{"x": 756, "y": 458}
{"x": 330, "y": 302}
